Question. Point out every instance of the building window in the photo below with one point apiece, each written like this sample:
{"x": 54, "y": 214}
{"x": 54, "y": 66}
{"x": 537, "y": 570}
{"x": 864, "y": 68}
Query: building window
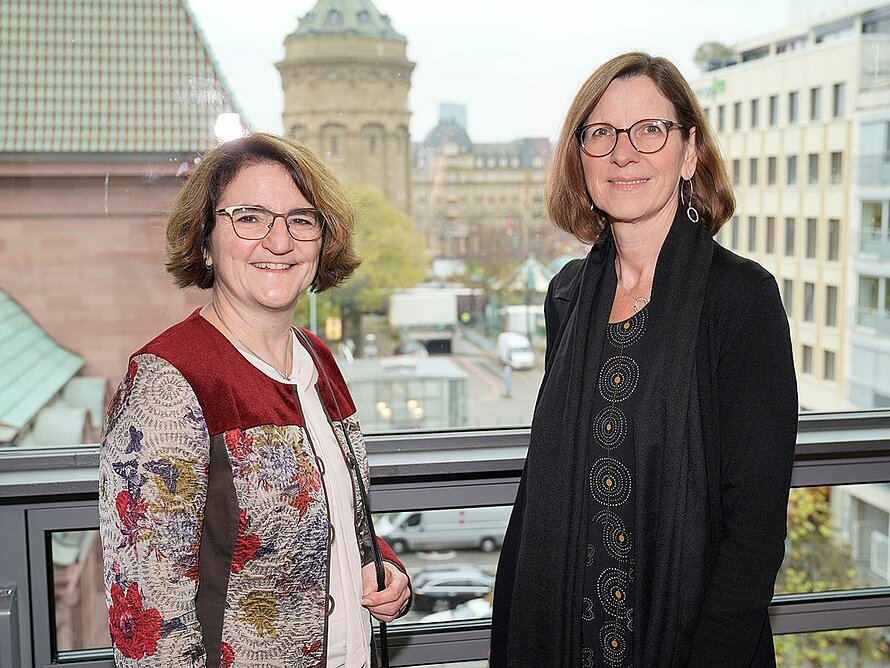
{"x": 752, "y": 171}
{"x": 837, "y": 167}
{"x": 771, "y": 171}
{"x": 752, "y": 234}
{"x": 372, "y": 145}
{"x": 811, "y": 239}
{"x": 788, "y": 296}
{"x": 770, "y": 235}
{"x": 737, "y": 116}
{"x": 734, "y": 232}
{"x": 773, "y": 110}
{"x": 828, "y": 366}
{"x": 809, "y": 299}
{"x": 736, "y": 172}
{"x": 792, "y": 107}
{"x": 789, "y": 237}
{"x": 815, "y": 104}
{"x": 807, "y": 359}
{"x": 791, "y": 170}
{"x": 813, "y": 168}
{"x": 838, "y": 92}
{"x": 721, "y": 118}
{"x": 755, "y": 113}
{"x": 834, "y": 235}
{"x": 334, "y": 146}
{"x": 867, "y": 300}
{"x": 831, "y": 305}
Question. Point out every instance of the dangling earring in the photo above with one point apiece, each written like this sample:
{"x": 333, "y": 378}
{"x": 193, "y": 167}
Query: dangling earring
{"x": 591, "y": 206}
{"x": 691, "y": 212}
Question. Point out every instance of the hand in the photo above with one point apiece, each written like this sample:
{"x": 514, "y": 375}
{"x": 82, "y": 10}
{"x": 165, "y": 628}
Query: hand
{"x": 385, "y": 605}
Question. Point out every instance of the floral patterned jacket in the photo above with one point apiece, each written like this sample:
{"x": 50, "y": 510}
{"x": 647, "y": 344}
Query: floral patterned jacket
{"x": 213, "y": 508}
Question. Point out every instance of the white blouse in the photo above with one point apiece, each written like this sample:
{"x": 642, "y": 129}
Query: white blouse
{"x": 349, "y": 626}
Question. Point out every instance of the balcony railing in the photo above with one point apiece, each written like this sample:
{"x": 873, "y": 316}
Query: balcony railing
{"x": 874, "y": 242}
{"x": 874, "y": 169}
{"x": 43, "y": 492}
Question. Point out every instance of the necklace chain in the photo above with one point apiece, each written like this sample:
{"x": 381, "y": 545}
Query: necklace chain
{"x": 640, "y": 302}
{"x": 245, "y": 346}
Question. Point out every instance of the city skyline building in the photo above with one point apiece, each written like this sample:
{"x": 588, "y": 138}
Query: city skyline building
{"x": 790, "y": 113}
{"x": 481, "y": 201}
{"x": 346, "y": 77}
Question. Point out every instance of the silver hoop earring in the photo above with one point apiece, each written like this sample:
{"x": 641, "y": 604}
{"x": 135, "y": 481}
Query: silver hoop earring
{"x": 591, "y": 206}
{"x": 691, "y": 212}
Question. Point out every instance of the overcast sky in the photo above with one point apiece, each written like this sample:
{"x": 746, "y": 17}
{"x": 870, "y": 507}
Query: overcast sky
{"x": 515, "y": 64}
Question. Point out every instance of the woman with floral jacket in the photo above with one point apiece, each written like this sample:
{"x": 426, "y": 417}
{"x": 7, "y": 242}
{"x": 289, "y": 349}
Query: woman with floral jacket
{"x": 233, "y": 473}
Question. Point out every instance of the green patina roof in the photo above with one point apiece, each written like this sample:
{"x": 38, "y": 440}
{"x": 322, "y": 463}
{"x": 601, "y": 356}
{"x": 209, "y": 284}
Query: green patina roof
{"x": 33, "y": 367}
{"x": 346, "y": 17}
{"x": 97, "y": 76}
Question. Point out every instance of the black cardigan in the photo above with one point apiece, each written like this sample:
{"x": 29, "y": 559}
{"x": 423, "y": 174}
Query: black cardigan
{"x": 717, "y": 543}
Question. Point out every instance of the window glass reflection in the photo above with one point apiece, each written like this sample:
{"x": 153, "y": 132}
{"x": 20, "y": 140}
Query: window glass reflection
{"x": 81, "y": 619}
{"x": 853, "y": 648}
{"x": 837, "y": 539}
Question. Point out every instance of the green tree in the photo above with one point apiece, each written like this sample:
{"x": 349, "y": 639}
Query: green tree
{"x": 817, "y": 560}
{"x": 393, "y": 257}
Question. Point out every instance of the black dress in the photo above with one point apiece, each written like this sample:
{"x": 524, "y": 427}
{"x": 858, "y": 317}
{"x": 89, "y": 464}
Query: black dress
{"x": 607, "y": 603}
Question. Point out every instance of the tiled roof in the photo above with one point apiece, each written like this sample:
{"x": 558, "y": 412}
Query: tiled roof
{"x": 346, "y": 17}
{"x": 98, "y": 76}
{"x": 33, "y": 368}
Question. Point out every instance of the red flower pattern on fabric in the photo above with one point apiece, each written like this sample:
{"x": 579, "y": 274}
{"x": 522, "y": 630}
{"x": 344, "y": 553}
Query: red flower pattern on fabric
{"x": 227, "y": 656}
{"x": 132, "y": 513}
{"x": 246, "y": 544}
{"x": 238, "y": 444}
{"x": 134, "y": 631}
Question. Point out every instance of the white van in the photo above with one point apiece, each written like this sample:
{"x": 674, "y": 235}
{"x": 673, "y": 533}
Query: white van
{"x": 470, "y": 528}
{"x": 515, "y": 350}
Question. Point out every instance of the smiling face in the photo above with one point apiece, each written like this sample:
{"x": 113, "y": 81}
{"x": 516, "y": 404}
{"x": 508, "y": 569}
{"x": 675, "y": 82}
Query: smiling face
{"x": 269, "y": 274}
{"x": 627, "y": 185}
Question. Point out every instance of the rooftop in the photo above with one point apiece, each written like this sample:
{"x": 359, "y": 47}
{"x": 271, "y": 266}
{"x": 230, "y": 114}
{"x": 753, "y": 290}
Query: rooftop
{"x": 346, "y": 17}
{"x": 94, "y": 76}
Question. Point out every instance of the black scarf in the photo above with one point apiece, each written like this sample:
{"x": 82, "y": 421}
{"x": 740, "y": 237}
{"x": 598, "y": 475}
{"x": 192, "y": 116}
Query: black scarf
{"x": 537, "y": 597}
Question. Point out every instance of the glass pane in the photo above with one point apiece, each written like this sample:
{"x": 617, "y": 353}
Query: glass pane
{"x": 81, "y": 618}
{"x": 451, "y": 555}
{"x": 851, "y": 648}
{"x": 837, "y": 539}
{"x": 451, "y": 191}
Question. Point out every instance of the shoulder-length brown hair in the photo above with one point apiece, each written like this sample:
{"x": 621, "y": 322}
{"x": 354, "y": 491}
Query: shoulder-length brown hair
{"x": 565, "y": 192}
{"x": 192, "y": 218}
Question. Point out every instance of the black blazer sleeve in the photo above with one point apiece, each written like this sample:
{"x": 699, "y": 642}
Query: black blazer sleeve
{"x": 757, "y": 427}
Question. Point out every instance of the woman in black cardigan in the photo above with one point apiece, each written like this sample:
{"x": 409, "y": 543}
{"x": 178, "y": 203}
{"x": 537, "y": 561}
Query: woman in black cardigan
{"x": 650, "y": 520}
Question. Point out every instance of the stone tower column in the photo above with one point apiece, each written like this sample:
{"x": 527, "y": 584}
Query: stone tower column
{"x": 346, "y": 77}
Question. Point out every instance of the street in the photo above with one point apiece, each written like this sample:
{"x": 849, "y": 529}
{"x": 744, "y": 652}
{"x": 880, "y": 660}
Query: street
{"x": 487, "y": 405}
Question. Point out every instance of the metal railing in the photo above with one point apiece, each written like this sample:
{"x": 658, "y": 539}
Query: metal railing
{"x": 43, "y": 491}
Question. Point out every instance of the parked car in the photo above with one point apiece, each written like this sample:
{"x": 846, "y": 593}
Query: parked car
{"x": 438, "y": 588}
{"x": 475, "y": 608}
{"x": 452, "y": 529}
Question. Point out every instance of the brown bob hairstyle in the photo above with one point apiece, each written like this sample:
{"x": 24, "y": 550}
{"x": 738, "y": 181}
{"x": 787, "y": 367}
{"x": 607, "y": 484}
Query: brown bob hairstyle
{"x": 192, "y": 218}
{"x": 565, "y": 191}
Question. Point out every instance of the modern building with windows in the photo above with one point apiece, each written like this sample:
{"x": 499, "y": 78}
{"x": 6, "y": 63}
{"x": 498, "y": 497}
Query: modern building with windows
{"x": 801, "y": 115}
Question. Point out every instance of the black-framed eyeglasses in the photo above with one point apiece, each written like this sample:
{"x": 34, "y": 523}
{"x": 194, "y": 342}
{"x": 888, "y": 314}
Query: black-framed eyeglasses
{"x": 648, "y": 135}
{"x": 253, "y": 223}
